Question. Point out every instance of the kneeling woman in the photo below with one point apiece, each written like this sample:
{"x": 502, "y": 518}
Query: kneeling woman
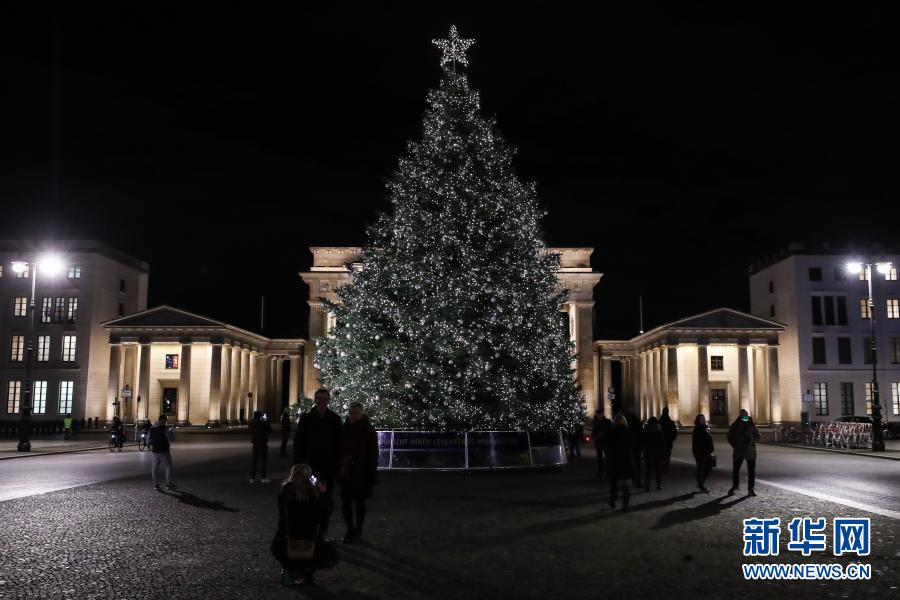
{"x": 299, "y": 545}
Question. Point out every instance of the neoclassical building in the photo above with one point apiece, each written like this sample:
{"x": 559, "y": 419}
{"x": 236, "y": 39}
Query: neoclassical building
{"x": 206, "y": 372}
{"x": 715, "y": 363}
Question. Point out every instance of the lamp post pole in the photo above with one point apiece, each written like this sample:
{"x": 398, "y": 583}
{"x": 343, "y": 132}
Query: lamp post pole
{"x": 25, "y": 427}
{"x": 877, "y": 433}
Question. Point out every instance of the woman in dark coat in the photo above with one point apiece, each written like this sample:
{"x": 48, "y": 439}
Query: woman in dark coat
{"x": 301, "y": 505}
{"x": 358, "y": 469}
{"x": 653, "y": 446}
{"x": 702, "y": 449}
{"x": 619, "y": 451}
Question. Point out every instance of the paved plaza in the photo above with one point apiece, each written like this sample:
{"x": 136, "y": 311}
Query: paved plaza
{"x": 89, "y": 525}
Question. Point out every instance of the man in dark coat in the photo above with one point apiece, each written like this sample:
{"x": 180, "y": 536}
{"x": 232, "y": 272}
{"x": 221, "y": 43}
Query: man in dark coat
{"x": 653, "y": 444}
{"x": 621, "y": 461}
{"x": 702, "y": 448}
{"x": 670, "y": 434}
{"x": 285, "y": 431}
{"x": 600, "y": 431}
{"x": 259, "y": 437}
{"x": 743, "y": 435}
{"x": 636, "y": 429}
{"x": 359, "y": 468}
{"x": 318, "y": 444}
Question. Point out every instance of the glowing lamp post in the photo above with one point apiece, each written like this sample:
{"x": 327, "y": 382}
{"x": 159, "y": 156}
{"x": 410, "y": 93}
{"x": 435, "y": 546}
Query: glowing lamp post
{"x": 51, "y": 265}
{"x": 883, "y": 268}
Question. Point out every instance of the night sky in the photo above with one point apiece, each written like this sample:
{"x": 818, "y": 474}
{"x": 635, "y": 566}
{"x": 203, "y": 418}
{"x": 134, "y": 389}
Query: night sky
{"x": 219, "y": 142}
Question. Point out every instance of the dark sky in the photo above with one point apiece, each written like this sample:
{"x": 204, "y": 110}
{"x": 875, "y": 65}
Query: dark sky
{"x": 219, "y": 142}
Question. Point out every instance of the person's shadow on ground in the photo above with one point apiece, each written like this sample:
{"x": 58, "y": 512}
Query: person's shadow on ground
{"x": 192, "y": 500}
{"x": 695, "y": 513}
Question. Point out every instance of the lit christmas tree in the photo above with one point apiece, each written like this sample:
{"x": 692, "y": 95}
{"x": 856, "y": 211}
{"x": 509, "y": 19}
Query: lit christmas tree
{"x": 451, "y": 321}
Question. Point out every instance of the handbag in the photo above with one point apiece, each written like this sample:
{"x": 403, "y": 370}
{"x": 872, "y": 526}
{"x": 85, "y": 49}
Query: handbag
{"x": 301, "y": 549}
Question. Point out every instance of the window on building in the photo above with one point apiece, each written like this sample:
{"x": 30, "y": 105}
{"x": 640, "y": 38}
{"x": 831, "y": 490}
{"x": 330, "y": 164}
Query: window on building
{"x": 1, "y": 270}
{"x": 59, "y": 310}
{"x": 816, "y": 310}
{"x": 43, "y": 348}
{"x": 46, "y": 310}
{"x": 893, "y": 308}
{"x": 869, "y": 398}
{"x": 840, "y": 274}
{"x": 16, "y": 348}
{"x": 891, "y": 274}
{"x": 845, "y": 351}
{"x": 717, "y": 363}
{"x": 771, "y": 287}
{"x": 74, "y": 272}
{"x": 25, "y": 273}
{"x": 72, "y": 310}
{"x": 867, "y": 350}
{"x": 864, "y": 274}
{"x": 818, "y": 351}
{"x": 847, "y": 398}
{"x": 841, "y": 310}
{"x": 820, "y": 395}
{"x": 39, "y": 402}
{"x": 895, "y": 397}
{"x": 20, "y": 308}
{"x": 815, "y": 274}
{"x": 829, "y": 310}
{"x": 864, "y": 312}
{"x": 121, "y": 309}
{"x": 121, "y": 285}
{"x": 772, "y": 311}
{"x": 68, "y": 348}
{"x": 171, "y": 361}
{"x": 66, "y": 390}
{"x": 13, "y": 395}
{"x": 895, "y": 350}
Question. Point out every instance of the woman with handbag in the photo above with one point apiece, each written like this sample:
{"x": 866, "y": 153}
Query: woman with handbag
{"x": 298, "y": 544}
{"x": 703, "y": 450}
{"x": 359, "y": 469}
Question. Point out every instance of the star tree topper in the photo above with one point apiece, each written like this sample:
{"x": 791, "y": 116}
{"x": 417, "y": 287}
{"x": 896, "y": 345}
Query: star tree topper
{"x": 454, "y": 48}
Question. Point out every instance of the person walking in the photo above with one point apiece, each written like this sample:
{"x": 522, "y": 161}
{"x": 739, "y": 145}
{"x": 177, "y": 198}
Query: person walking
{"x": 702, "y": 448}
{"x": 653, "y": 444}
{"x": 619, "y": 447}
{"x": 600, "y": 431}
{"x": 299, "y": 543}
{"x": 259, "y": 429}
{"x": 574, "y": 436}
{"x": 742, "y": 436}
{"x": 159, "y": 446}
{"x": 669, "y": 434}
{"x": 358, "y": 470}
{"x": 317, "y": 443}
{"x": 285, "y": 430}
{"x": 634, "y": 426}
{"x": 67, "y": 427}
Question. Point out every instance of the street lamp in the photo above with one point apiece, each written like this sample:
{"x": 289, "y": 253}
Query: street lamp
{"x": 883, "y": 268}
{"x": 52, "y": 265}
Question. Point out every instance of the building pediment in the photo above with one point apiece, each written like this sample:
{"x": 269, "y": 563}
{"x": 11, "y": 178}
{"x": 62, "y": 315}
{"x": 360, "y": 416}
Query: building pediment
{"x": 724, "y": 318}
{"x": 163, "y": 316}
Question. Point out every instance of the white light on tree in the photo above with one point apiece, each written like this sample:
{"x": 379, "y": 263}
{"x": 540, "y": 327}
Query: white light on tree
{"x": 454, "y": 48}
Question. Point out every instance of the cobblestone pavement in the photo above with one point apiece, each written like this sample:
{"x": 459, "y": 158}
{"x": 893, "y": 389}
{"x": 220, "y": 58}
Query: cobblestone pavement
{"x": 429, "y": 535}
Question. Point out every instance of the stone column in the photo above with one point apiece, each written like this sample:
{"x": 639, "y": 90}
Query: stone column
{"x": 235, "y": 404}
{"x": 672, "y": 381}
{"x": 243, "y": 404}
{"x": 215, "y": 385}
{"x": 129, "y": 378}
{"x": 774, "y": 386}
{"x": 252, "y": 383}
{"x": 584, "y": 346}
{"x": 646, "y": 378}
{"x": 703, "y": 378}
{"x": 279, "y": 380}
{"x": 660, "y": 396}
{"x": 143, "y": 391}
{"x": 607, "y": 378}
{"x": 225, "y": 404}
{"x": 184, "y": 385}
{"x": 597, "y": 383}
{"x": 743, "y": 380}
{"x": 294, "y": 387}
{"x": 112, "y": 388}
{"x": 317, "y": 324}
